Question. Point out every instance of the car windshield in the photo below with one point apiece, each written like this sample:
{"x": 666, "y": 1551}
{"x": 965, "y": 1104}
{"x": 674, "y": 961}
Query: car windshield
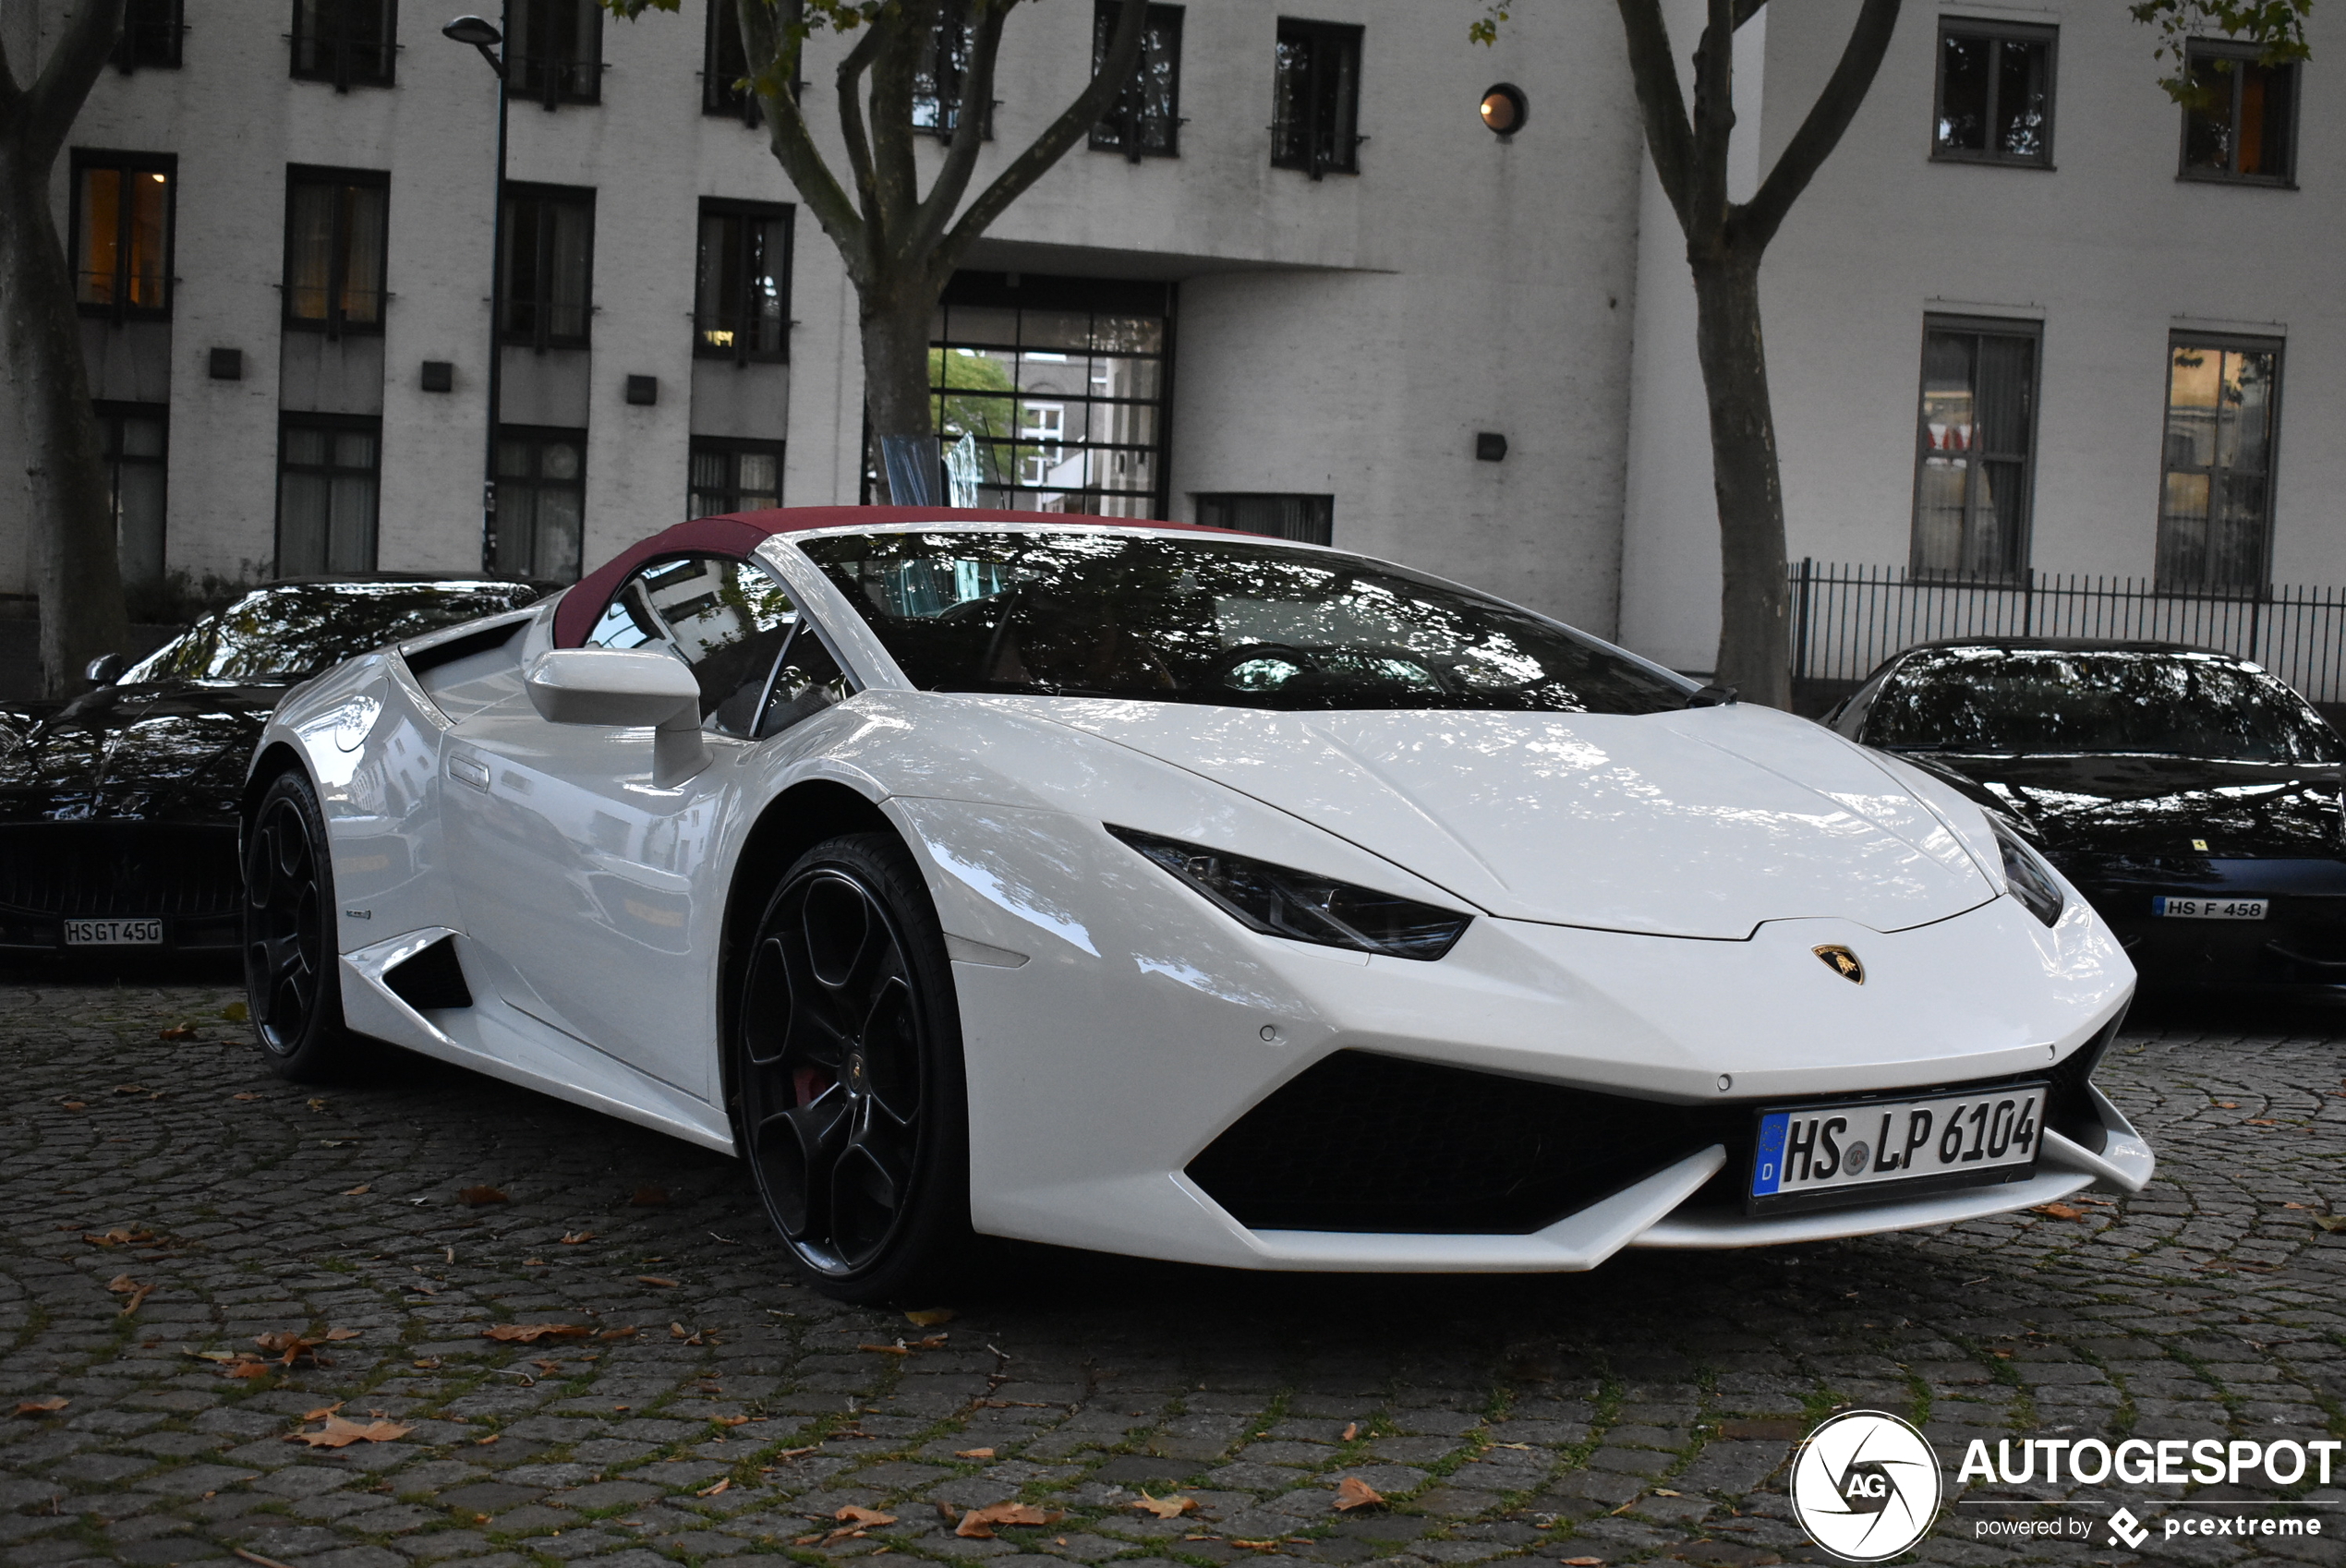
{"x": 1196, "y": 618}
{"x": 2146, "y": 702}
{"x": 297, "y": 629}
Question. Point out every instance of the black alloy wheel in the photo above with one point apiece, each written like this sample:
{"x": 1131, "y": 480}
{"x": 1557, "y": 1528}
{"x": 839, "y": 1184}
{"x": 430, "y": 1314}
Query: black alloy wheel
{"x": 292, "y": 980}
{"x": 848, "y": 1073}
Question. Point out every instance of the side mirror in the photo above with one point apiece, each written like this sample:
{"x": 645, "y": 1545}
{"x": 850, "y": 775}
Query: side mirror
{"x": 105, "y": 669}
{"x": 626, "y": 686}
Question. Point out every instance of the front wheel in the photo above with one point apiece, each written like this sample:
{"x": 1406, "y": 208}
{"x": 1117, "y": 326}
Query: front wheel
{"x": 293, "y": 978}
{"x": 848, "y": 1076}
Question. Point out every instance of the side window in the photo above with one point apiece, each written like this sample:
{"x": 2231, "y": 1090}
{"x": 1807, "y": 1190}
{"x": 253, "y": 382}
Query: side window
{"x": 808, "y": 681}
{"x": 726, "y": 619}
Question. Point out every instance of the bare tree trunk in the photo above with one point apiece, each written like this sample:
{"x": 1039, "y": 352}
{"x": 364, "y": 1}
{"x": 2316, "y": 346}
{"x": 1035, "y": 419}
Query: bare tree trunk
{"x": 896, "y": 393}
{"x": 1753, "y": 604}
{"x": 77, "y": 573}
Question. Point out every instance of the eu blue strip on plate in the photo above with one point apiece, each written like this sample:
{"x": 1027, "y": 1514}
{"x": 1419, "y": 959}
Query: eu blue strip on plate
{"x": 1767, "y": 1167}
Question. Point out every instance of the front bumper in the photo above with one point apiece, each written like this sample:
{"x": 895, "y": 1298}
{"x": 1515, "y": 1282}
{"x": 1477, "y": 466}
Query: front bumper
{"x": 186, "y": 874}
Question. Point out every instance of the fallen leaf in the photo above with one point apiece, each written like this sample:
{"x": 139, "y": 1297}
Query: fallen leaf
{"x": 339, "y": 1334}
{"x": 1665, "y": 1491}
{"x": 1164, "y": 1507}
{"x": 130, "y": 1089}
{"x": 429, "y": 1364}
{"x": 1583, "y": 1562}
{"x": 2259, "y": 1121}
{"x": 650, "y": 1198}
{"x": 1352, "y": 1430}
{"x": 289, "y": 1345}
{"x": 947, "y": 1511}
{"x": 533, "y": 1263}
{"x": 807, "y": 1540}
{"x": 2331, "y": 1223}
{"x": 574, "y": 1238}
{"x": 2004, "y": 1354}
{"x": 656, "y": 1279}
{"x": 733, "y": 1420}
{"x": 862, "y": 1518}
{"x": 900, "y": 1349}
{"x": 123, "y": 1284}
{"x": 484, "y": 1442}
{"x": 120, "y": 1236}
{"x": 177, "y": 1032}
{"x": 1256, "y": 1545}
{"x": 530, "y": 1333}
{"x": 317, "y": 1104}
{"x": 359, "y": 1191}
{"x": 973, "y": 1453}
{"x": 2227, "y": 1104}
{"x": 627, "y": 1333}
{"x": 50, "y": 1405}
{"x": 929, "y": 1317}
{"x": 340, "y": 1433}
{"x": 2058, "y": 1212}
{"x": 247, "y": 1096}
{"x": 978, "y": 1523}
{"x": 245, "y": 1370}
{"x": 74, "y": 1104}
{"x": 723, "y": 1485}
{"x": 235, "y": 1012}
{"x": 548, "y": 1366}
{"x": 2285, "y": 1206}
{"x": 479, "y": 1195}
{"x": 263, "y": 1562}
{"x": 323, "y": 1411}
{"x": 1353, "y": 1492}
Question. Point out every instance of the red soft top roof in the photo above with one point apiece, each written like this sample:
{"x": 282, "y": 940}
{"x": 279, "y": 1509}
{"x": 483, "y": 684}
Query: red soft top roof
{"x": 738, "y": 533}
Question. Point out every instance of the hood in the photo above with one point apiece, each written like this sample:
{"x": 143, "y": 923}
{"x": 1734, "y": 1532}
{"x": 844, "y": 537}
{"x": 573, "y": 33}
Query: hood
{"x": 2151, "y": 806}
{"x": 172, "y": 750}
{"x": 1702, "y": 823}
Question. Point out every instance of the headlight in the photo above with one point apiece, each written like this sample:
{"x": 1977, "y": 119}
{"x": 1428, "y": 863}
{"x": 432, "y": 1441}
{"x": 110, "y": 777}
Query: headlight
{"x": 2031, "y": 880}
{"x": 1304, "y": 908}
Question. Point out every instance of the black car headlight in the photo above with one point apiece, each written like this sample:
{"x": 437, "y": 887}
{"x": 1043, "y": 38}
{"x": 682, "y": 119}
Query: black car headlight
{"x": 2031, "y": 880}
{"x": 1295, "y": 904}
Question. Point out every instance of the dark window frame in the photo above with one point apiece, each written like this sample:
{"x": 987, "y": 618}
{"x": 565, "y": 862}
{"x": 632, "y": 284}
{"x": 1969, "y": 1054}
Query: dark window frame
{"x": 2023, "y": 543}
{"x": 2198, "y": 49}
{"x": 1314, "y": 158}
{"x": 946, "y": 64}
{"x": 288, "y": 421}
{"x": 1998, "y": 33}
{"x": 343, "y": 70}
{"x": 125, "y": 164}
{"x": 111, "y": 415}
{"x": 733, "y": 449}
{"x": 2233, "y": 343}
{"x": 334, "y": 324}
{"x": 542, "y": 336}
{"x": 763, "y": 211}
{"x": 1218, "y": 509}
{"x": 1123, "y": 125}
{"x": 553, "y": 81}
{"x": 151, "y": 30}
{"x": 723, "y": 64}
{"x": 539, "y": 437}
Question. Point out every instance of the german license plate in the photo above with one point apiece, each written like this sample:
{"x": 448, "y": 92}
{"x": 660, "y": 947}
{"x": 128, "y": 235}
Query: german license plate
{"x": 2210, "y": 908}
{"x": 1944, "y": 1140}
{"x": 113, "y": 932}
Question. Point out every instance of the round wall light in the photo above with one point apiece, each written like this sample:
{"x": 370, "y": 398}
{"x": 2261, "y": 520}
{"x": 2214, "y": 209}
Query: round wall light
{"x": 1504, "y": 108}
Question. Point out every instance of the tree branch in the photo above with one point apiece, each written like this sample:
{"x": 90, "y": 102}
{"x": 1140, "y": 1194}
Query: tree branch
{"x": 1745, "y": 10}
{"x": 953, "y": 181}
{"x": 773, "y": 41}
{"x": 1714, "y": 125}
{"x": 1668, "y": 136}
{"x": 1115, "y": 69}
{"x": 859, "y": 146}
{"x": 919, "y": 29}
{"x": 1755, "y": 223}
{"x": 57, "y": 95}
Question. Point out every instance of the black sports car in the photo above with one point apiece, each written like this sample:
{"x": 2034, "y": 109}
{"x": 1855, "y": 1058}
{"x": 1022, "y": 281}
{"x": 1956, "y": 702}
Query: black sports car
{"x": 118, "y": 808}
{"x": 2192, "y": 797}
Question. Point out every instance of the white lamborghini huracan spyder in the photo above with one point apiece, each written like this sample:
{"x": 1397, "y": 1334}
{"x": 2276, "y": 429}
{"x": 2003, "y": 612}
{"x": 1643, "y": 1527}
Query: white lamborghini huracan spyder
{"x": 1173, "y": 892}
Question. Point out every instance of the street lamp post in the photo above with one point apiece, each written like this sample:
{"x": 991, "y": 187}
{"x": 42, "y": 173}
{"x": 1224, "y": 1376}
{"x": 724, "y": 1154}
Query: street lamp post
{"x": 487, "y": 37}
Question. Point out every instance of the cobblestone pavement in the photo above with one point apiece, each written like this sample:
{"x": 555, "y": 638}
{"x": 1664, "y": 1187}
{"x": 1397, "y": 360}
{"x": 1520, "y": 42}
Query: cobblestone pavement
{"x": 165, "y": 1203}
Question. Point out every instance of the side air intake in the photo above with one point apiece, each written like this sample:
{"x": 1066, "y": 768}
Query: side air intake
{"x": 431, "y": 979}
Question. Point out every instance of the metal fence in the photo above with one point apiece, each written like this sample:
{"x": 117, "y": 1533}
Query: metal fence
{"x": 1846, "y": 620}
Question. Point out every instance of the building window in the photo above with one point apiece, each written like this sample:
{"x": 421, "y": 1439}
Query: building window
{"x": 549, "y": 260}
{"x": 729, "y": 476}
{"x": 1995, "y": 93}
{"x": 1975, "y": 445}
{"x": 334, "y": 247}
{"x": 1049, "y": 395}
{"x": 555, "y": 50}
{"x": 327, "y": 472}
{"x": 1315, "y": 102}
{"x": 725, "y": 66}
{"x": 2215, "y": 507}
{"x": 151, "y": 31}
{"x": 741, "y": 301}
{"x": 2240, "y": 118}
{"x": 122, "y": 212}
{"x": 135, "y": 436}
{"x": 541, "y": 502}
{"x": 1145, "y": 119}
{"x": 348, "y": 43}
{"x": 1309, "y": 519}
{"x": 939, "y": 79}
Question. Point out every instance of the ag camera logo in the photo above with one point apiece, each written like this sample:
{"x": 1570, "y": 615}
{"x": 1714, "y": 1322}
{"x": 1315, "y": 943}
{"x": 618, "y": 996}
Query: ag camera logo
{"x": 1866, "y": 1485}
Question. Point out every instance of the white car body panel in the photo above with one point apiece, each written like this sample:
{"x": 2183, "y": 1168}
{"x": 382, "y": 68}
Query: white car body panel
{"x": 1647, "y": 894}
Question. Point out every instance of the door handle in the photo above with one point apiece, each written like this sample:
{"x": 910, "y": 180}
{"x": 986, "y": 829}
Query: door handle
{"x": 468, "y": 770}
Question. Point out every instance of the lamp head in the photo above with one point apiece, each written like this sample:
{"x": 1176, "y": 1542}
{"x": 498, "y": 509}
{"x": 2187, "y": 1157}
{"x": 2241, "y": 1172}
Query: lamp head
{"x": 478, "y": 31}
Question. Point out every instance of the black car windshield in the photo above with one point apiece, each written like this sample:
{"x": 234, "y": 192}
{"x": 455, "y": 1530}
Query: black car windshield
{"x": 293, "y": 630}
{"x": 1200, "y": 618}
{"x": 2138, "y": 701}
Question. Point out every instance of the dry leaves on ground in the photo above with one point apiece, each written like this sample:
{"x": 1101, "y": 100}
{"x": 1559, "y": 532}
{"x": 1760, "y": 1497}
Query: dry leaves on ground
{"x": 933, "y": 1341}
{"x": 123, "y": 1284}
{"x": 2331, "y": 1223}
{"x": 973, "y": 1453}
{"x": 723, "y": 1485}
{"x": 530, "y": 1333}
{"x": 660, "y": 1280}
{"x": 247, "y": 1095}
{"x": 476, "y": 1196}
{"x": 929, "y": 1317}
{"x": 177, "y": 1032}
{"x": 1352, "y": 1430}
{"x": 48, "y": 1406}
{"x": 120, "y": 1236}
{"x": 573, "y": 1238}
{"x": 627, "y": 1333}
{"x": 1584, "y": 1562}
{"x": 359, "y": 1191}
{"x": 1164, "y": 1507}
{"x": 2058, "y": 1212}
{"x": 1353, "y": 1492}
{"x": 339, "y": 1433}
{"x": 978, "y": 1523}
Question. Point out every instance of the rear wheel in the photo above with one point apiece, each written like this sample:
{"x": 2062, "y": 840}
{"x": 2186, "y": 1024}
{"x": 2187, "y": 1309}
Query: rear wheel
{"x": 848, "y": 1073}
{"x": 293, "y": 980}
